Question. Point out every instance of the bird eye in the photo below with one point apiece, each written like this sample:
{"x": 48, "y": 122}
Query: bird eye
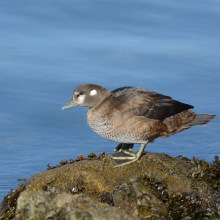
{"x": 81, "y": 93}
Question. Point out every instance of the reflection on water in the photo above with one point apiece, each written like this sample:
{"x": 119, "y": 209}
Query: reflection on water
{"x": 47, "y": 48}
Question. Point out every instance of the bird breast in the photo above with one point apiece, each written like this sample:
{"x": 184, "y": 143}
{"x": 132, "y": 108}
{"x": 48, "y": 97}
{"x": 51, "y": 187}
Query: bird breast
{"x": 123, "y": 127}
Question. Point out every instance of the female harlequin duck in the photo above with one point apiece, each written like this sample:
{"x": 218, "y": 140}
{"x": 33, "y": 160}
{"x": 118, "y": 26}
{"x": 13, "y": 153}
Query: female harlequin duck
{"x": 132, "y": 115}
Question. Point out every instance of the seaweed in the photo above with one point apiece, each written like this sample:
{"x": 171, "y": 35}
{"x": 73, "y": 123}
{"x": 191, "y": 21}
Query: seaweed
{"x": 9, "y": 203}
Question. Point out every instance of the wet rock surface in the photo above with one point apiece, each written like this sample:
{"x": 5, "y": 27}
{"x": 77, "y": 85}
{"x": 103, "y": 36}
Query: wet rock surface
{"x": 140, "y": 199}
{"x": 157, "y": 186}
{"x": 55, "y": 205}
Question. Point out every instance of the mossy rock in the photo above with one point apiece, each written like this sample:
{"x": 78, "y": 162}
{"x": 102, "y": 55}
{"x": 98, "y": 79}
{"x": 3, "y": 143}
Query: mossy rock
{"x": 157, "y": 186}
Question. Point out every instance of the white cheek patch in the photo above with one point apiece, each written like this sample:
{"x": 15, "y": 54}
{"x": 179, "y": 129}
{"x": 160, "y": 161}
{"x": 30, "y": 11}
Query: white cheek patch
{"x": 93, "y": 92}
{"x": 81, "y": 99}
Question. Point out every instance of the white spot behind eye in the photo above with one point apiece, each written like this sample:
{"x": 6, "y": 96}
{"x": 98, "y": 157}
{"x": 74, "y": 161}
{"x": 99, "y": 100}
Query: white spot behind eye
{"x": 93, "y": 92}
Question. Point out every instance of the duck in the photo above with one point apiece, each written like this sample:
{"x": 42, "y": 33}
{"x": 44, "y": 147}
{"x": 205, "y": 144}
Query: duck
{"x": 133, "y": 115}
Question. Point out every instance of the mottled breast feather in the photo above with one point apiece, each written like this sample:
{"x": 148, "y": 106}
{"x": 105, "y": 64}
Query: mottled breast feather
{"x": 123, "y": 127}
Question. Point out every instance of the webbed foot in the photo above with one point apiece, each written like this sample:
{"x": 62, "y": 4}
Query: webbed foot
{"x": 125, "y": 157}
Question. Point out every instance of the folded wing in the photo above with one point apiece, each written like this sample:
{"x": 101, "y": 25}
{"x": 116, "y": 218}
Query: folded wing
{"x": 142, "y": 102}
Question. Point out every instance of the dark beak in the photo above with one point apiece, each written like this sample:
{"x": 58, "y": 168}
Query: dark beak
{"x": 69, "y": 104}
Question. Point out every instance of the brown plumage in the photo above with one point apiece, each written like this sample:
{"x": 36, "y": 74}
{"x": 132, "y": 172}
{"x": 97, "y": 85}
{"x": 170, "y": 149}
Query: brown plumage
{"x": 131, "y": 115}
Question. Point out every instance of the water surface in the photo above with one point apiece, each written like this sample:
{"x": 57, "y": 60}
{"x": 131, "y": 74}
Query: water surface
{"x": 49, "y": 47}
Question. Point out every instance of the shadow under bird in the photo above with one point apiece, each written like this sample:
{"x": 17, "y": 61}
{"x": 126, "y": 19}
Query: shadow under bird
{"x": 132, "y": 115}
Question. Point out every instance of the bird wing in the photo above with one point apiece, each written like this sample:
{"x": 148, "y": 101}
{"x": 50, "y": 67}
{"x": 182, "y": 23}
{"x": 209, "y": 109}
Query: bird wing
{"x": 142, "y": 102}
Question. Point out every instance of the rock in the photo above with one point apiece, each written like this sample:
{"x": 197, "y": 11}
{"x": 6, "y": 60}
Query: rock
{"x": 139, "y": 198}
{"x": 157, "y": 186}
{"x": 60, "y": 205}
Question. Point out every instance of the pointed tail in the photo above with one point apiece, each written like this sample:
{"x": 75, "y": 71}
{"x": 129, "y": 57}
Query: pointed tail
{"x": 201, "y": 119}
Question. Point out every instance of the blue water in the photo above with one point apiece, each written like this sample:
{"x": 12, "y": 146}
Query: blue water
{"x": 49, "y": 47}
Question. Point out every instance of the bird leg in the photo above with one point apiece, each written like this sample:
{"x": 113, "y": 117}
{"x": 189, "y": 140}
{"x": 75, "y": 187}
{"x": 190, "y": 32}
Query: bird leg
{"x": 125, "y": 157}
{"x": 123, "y": 146}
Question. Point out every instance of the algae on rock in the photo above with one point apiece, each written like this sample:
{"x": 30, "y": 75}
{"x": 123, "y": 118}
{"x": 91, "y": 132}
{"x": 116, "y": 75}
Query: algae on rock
{"x": 157, "y": 186}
